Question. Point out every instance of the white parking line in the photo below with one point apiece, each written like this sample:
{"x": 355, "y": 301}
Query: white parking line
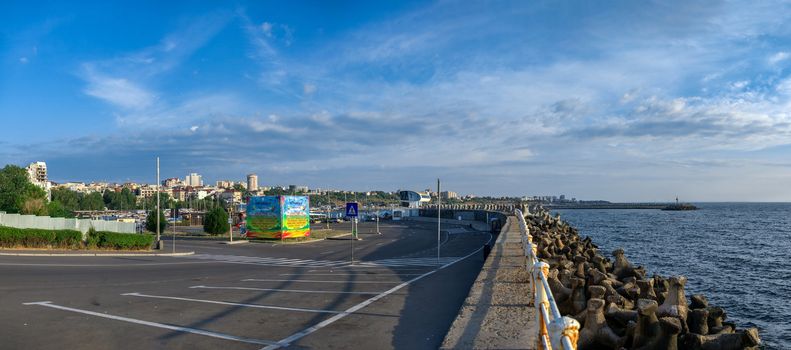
{"x": 299, "y": 335}
{"x": 158, "y": 325}
{"x": 257, "y": 306}
{"x": 314, "y": 281}
{"x": 284, "y": 290}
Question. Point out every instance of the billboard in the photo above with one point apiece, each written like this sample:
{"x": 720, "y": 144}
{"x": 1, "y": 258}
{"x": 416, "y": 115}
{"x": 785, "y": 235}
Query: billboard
{"x": 278, "y": 217}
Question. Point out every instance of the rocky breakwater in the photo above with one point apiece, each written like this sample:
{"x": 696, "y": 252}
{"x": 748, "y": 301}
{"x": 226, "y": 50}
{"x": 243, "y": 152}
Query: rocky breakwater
{"x": 619, "y": 306}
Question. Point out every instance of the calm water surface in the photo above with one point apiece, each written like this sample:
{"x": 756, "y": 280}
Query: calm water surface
{"x": 737, "y": 254}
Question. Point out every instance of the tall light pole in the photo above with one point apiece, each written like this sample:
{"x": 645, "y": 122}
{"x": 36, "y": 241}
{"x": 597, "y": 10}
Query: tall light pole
{"x": 159, "y": 243}
{"x": 328, "y": 210}
{"x": 439, "y": 222}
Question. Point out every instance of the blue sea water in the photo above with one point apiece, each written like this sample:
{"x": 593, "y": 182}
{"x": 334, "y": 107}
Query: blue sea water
{"x": 737, "y": 254}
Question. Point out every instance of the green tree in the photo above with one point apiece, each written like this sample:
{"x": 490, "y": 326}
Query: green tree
{"x": 151, "y": 222}
{"x": 92, "y": 201}
{"x": 69, "y": 199}
{"x": 216, "y": 222}
{"x": 56, "y": 209}
{"x": 18, "y": 194}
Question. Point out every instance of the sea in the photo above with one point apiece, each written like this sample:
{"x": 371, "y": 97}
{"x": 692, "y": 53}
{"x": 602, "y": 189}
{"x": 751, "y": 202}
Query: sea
{"x": 736, "y": 254}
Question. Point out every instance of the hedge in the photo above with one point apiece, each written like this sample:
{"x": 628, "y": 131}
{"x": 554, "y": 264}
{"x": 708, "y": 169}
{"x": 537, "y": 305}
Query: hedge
{"x": 11, "y": 237}
{"x": 113, "y": 240}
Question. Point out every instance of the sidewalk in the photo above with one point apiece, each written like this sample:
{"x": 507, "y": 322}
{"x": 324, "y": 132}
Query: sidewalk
{"x": 498, "y": 313}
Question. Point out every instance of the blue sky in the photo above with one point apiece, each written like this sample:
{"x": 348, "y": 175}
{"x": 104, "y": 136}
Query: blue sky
{"x": 612, "y": 100}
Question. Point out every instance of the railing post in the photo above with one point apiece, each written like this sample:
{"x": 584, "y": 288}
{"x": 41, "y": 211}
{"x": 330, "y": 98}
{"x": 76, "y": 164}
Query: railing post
{"x": 541, "y": 302}
{"x": 565, "y": 331}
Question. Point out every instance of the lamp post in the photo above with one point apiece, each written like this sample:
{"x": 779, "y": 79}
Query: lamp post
{"x": 159, "y": 241}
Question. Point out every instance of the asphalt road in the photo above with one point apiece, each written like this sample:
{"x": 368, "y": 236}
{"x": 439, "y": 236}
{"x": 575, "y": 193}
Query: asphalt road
{"x": 251, "y": 296}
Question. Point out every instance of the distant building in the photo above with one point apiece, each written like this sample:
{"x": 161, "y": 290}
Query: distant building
{"x": 172, "y": 182}
{"x": 224, "y": 184}
{"x": 252, "y": 182}
{"x": 449, "y": 195}
{"x": 412, "y": 199}
{"x": 146, "y": 191}
{"x": 298, "y": 189}
{"x": 37, "y": 174}
{"x": 194, "y": 180}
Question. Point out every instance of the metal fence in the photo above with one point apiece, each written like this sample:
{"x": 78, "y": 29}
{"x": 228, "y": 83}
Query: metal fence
{"x": 48, "y": 223}
{"x": 554, "y": 331}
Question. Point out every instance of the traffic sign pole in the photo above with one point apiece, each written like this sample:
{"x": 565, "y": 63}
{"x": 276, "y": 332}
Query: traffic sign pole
{"x": 351, "y": 212}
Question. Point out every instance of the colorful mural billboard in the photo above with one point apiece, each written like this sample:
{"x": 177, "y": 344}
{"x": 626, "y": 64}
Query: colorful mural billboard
{"x": 278, "y": 217}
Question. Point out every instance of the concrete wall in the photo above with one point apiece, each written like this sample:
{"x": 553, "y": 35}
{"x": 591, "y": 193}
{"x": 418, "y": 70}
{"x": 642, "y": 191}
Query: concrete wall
{"x": 48, "y": 223}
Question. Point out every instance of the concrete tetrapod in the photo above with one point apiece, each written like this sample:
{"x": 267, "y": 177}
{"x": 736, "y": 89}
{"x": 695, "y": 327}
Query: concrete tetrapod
{"x": 746, "y": 339}
{"x": 635, "y": 311}
{"x": 596, "y": 333}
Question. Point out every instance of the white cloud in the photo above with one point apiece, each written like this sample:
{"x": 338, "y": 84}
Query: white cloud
{"x": 23, "y": 60}
{"x": 266, "y": 27}
{"x": 118, "y": 91}
{"x": 308, "y": 89}
{"x": 778, "y": 57}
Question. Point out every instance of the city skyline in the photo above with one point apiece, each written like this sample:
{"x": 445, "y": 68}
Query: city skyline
{"x": 623, "y": 102}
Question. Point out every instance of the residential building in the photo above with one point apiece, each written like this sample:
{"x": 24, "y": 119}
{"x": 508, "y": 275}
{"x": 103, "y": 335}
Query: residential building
{"x": 252, "y": 182}
{"x": 224, "y": 184}
{"x": 37, "y": 174}
{"x": 449, "y": 195}
{"x": 172, "y": 182}
{"x": 194, "y": 180}
{"x": 146, "y": 191}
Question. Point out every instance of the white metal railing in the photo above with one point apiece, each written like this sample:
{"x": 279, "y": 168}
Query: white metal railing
{"x": 554, "y": 330}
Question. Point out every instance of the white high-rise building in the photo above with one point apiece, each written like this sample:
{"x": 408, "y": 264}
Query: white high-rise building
{"x": 252, "y": 182}
{"x": 37, "y": 174}
{"x": 194, "y": 180}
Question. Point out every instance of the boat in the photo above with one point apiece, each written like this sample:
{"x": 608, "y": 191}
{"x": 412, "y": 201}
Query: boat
{"x": 680, "y": 206}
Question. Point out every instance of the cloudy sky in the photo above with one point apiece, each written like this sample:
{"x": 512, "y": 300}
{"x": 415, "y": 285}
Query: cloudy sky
{"x": 624, "y": 101}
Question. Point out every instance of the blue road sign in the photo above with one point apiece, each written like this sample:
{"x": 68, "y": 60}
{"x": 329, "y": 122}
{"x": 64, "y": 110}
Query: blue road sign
{"x": 351, "y": 210}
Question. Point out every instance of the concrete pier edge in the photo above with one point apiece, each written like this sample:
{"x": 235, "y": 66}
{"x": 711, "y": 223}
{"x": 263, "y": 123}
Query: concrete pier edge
{"x": 498, "y": 312}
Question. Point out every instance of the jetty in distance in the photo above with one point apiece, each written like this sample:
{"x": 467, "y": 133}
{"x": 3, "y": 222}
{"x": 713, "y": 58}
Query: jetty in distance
{"x": 607, "y": 205}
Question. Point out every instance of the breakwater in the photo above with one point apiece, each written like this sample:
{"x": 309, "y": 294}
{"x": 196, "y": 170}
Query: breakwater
{"x": 619, "y": 305}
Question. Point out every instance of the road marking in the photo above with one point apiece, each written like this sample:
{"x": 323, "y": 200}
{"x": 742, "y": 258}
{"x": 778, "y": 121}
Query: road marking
{"x": 158, "y": 325}
{"x": 285, "y": 290}
{"x": 313, "y": 281}
{"x": 267, "y": 261}
{"x": 407, "y": 262}
{"x": 307, "y": 331}
{"x": 257, "y": 306}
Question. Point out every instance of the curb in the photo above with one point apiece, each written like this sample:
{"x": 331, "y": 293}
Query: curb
{"x": 98, "y": 254}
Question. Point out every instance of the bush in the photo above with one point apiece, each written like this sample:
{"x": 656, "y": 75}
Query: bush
{"x": 114, "y": 240}
{"x": 37, "y": 238}
{"x": 216, "y": 222}
{"x": 151, "y": 222}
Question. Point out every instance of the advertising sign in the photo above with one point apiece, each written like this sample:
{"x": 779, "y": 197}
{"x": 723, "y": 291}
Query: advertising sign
{"x": 263, "y": 217}
{"x": 278, "y": 217}
{"x": 296, "y": 216}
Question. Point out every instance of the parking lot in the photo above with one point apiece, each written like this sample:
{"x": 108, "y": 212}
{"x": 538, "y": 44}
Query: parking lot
{"x": 397, "y": 294}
